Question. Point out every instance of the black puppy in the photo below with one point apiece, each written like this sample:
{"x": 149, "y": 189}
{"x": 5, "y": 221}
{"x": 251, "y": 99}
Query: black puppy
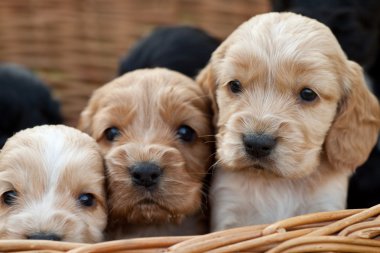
{"x": 356, "y": 24}
{"x": 181, "y": 48}
{"x": 25, "y": 101}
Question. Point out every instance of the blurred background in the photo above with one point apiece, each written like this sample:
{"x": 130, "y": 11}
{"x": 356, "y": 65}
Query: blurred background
{"x": 75, "y": 45}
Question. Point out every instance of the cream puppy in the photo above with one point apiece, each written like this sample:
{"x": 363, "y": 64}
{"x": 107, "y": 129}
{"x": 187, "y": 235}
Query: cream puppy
{"x": 293, "y": 117}
{"x": 52, "y": 186}
{"x": 154, "y": 128}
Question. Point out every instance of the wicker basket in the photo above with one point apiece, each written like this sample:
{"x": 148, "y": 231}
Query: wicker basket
{"x": 75, "y": 45}
{"x": 337, "y": 231}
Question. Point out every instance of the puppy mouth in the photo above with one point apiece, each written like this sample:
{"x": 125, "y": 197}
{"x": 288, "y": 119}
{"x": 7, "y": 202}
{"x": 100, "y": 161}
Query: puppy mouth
{"x": 147, "y": 202}
{"x": 265, "y": 168}
{"x": 150, "y": 203}
{"x": 259, "y": 167}
{"x": 264, "y": 163}
{"x": 155, "y": 211}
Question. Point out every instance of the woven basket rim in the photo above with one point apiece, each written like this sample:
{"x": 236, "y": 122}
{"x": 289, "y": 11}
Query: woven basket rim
{"x": 355, "y": 230}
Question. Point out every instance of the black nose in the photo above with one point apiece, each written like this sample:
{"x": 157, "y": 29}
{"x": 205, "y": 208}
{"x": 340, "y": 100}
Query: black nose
{"x": 44, "y": 236}
{"x": 258, "y": 145}
{"x": 145, "y": 174}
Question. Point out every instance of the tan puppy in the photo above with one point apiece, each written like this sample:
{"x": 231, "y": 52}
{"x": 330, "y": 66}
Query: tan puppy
{"x": 52, "y": 186}
{"x": 154, "y": 128}
{"x": 294, "y": 119}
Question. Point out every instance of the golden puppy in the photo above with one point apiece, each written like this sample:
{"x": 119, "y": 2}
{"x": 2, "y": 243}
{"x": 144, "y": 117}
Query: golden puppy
{"x": 52, "y": 186}
{"x": 153, "y": 127}
{"x": 294, "y": 119}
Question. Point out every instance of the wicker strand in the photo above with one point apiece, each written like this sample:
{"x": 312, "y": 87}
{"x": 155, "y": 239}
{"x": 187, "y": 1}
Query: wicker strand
{"x": 341, "y": 224}
{"x": 369, "y": 229}
{"x": 309, "y": 219}
{"x": 327, "y": 243}
{"x": 216, "y": 239}
{"x": 131, "y": 244}
{"x": 39, "y": 251}
{"x": 256, "y": 243}
{"x": 19, "y": 245}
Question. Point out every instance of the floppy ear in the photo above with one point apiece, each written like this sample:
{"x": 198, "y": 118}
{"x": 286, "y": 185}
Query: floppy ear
{"x": 85, "y": 120}
{"x": 356, "y": 126}
{"x": 207, "y": 78}
{"x": 207, "y": 81}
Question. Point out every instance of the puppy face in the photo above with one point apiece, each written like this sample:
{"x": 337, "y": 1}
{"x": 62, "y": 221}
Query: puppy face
{"x": 52, "y": 186}
{"x": 153, "y": 127}
{"x": 282, "y": 87}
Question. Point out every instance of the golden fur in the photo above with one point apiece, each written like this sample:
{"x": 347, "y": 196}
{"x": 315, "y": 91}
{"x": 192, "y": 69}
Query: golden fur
{"x": 318, "y": 144}
{"x": 148, "y": 106}
{"x": 49, "y": 167}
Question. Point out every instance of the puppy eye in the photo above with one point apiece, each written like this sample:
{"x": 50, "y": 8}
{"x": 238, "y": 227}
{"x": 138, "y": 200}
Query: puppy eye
{"x": 308, "y": 95}
{"x": 186, "y": 133}
{"x": 235, "y": 86}
{"x": 111, "y": 133}
{"x": 9, "y": 197}
{"x": 86, "y": 199}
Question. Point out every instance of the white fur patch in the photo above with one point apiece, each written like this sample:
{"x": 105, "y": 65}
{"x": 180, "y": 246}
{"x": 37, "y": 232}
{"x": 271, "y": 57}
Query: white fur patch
{"x": 248, "y": 198}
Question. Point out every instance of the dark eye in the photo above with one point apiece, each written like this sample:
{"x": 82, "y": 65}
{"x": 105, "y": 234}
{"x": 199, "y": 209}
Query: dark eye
{"x": 86, "y": 199}
{"x": 186, "y": 133}
{"x": 308, "y": 95}
{"x": 111, "y": 133}
{"x": 9, "y": 197}
{"x": 235, "y": 86}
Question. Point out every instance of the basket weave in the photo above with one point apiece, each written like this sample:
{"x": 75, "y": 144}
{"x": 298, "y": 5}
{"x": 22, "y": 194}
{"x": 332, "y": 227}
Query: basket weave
{"x": 337, "y": 231}
{"x": 75, "y": 45}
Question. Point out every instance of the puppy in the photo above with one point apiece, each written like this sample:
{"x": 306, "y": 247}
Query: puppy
{"x": 25, "y": 101}
{"x": 182, "y": 48}
{"x": 154, "y": 129}
{"x": 294, "y": 119}
{"x": 356, "y": 25}
{"x": 52, "y": 186}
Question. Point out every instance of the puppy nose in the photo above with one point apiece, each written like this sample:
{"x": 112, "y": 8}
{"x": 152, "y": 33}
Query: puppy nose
{"x": 145, "y": 174}
{"x": 44, "y": 236}
{"x": 258, "y": 145}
